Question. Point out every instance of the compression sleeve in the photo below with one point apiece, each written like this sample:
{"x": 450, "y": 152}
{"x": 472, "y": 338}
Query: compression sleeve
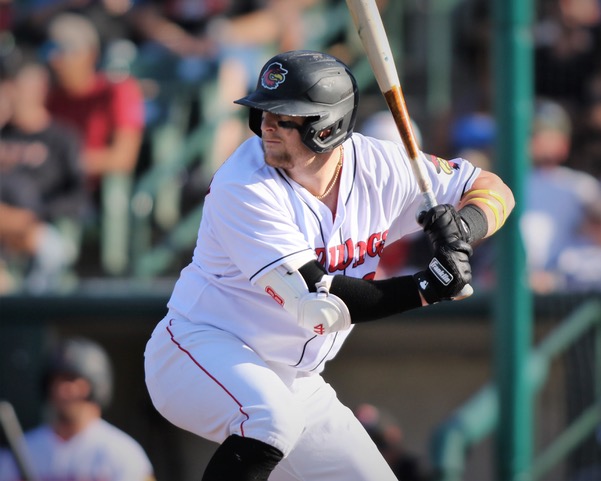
{"x": 367, "y": 300}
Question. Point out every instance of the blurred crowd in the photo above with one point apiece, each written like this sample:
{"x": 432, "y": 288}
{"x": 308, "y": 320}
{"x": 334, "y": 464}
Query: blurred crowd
{"x": 86, "y": 86}
{"x": 114, "y": 114}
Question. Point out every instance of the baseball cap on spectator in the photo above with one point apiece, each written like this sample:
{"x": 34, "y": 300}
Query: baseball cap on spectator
{"x": 70, "y": 32}
{"x": 476, "y": 130}
{"x": 550, "y": 115}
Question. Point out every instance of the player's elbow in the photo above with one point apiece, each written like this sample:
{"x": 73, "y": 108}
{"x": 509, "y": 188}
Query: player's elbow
{"x": 510, "y": 200}
{"x": 492, "y": 182}
{"x": 508, "y": 196}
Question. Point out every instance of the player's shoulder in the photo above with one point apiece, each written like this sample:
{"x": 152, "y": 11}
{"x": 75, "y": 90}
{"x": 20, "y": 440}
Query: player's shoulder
{"x": 42, "y": 432}
{"x": 372, "y": 149}
{"x": 103, "y": 428}
{"x": 40, "y": 438}
{"x": 377, "y": 157}
{"x": 244, "y": 163}
{"x": 366, "y": 142}
{"x": 244, "y": 173}
{"x": 579, "y": 179}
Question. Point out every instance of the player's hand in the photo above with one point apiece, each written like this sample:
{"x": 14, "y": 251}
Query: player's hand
{"x": 443, "y": 225}
{"x": 448, "y": 272}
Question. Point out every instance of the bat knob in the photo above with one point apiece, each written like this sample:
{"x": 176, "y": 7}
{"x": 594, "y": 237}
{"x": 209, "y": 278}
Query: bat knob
{"x": 467, "y": 291}
{"x": 420, "y": 213}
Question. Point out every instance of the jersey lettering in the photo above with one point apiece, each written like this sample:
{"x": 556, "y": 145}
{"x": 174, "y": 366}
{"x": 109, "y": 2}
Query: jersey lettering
{"x": 351, "y": 252}
{"x": 340, "y": 256}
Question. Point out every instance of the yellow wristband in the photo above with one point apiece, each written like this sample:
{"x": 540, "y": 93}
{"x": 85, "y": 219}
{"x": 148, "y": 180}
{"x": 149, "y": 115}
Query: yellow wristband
{"x": 495, "y": 195}
{"x": 493, "y": 207}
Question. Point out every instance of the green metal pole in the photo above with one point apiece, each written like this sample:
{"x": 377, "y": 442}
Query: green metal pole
{"x": 440, "y": 45}
{"x": 513, "y": 79}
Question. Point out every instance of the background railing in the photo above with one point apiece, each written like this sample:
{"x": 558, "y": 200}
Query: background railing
{"x": 479, "y": 416}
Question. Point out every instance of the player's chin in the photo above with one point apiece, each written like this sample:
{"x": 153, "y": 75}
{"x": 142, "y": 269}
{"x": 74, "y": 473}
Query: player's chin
{"x": 274, "y": 157}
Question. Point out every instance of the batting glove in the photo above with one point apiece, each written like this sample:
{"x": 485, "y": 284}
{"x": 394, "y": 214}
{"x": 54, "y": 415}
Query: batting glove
{"x": 448, "y": 272}
{"x": 444, "y": 225}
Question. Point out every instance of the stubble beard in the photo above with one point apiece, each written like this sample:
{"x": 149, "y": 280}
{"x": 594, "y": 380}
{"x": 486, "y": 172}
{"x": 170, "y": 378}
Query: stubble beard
{"x": 279, "y": 160}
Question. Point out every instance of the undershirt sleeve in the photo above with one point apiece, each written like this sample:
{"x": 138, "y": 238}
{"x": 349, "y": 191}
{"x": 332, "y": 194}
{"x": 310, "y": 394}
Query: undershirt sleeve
{"x": 367, "y": 300}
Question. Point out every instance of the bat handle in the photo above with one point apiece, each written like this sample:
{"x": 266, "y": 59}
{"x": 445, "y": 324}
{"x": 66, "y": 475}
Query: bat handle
{"x": 467, "y": 291}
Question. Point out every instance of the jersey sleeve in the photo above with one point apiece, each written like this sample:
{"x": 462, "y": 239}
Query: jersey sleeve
{"x": 256, "y": 230}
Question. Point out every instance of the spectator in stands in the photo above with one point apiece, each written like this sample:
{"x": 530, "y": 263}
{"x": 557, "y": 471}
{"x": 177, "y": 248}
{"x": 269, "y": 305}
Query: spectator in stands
{"x": 579, "y": 264}
{"x": 76, "y": 443}
{"x": 472, "y": 138}
{"x": 30, "y": 18}
{"x": 556, "y": 196}
{"x": 107, "y": 112}
{"x": 218, "y": 43}
{"x": 41, "y": 184}
{"x": 567, "y": 39}
{"x": 587, "y": 141}
{"x": 6, "y": 14}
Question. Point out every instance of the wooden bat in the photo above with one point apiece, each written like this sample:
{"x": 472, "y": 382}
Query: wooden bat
{"x": 11, "y": 427}
{"x": 370, "y": 28}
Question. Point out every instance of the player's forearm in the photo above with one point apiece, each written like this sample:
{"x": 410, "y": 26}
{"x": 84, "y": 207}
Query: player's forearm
{"x": 368, "y": 300}
{"x": 494, "y": 199}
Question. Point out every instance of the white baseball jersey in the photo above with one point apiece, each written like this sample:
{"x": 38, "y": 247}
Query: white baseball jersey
{"x": 101, "y": 452}
{"x": 230, "y": 360}
{"x": 255, "y": 218}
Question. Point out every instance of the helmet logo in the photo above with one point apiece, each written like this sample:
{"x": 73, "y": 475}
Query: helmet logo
{"x": 273, "y": 76}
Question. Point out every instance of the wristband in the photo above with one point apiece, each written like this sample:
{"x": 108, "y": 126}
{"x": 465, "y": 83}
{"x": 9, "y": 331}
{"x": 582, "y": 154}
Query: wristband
{"x": 475, "y": 221}
{"x": 498, "y": 208}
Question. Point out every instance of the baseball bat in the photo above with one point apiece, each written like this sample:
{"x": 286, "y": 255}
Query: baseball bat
{"x": 16, "y": 442}
{"x": 369, "y": 25}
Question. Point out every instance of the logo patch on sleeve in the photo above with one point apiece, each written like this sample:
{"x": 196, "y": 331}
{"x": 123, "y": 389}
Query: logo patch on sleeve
{"x": 442, "y": 165}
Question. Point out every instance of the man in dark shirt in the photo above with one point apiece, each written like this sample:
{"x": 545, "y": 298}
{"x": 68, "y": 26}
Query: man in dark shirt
{"x": 41, "y": 186}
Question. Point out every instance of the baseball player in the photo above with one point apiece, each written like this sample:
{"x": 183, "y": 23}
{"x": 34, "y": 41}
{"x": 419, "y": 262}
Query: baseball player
{"x": 77, "y": 444}
{"x": 293, "y": 227}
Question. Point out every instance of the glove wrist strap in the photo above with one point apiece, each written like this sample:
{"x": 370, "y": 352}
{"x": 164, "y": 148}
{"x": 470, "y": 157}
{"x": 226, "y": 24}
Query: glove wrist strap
{"x": 423, "y": 285}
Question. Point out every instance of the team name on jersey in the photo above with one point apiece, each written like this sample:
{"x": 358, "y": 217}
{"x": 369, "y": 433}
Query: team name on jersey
{"x": 351, "y": 254}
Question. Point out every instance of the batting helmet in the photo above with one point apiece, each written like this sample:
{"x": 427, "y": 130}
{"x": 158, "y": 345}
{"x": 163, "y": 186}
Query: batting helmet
{"x": 304, "y": 83}
{"x": 84, "y": 358}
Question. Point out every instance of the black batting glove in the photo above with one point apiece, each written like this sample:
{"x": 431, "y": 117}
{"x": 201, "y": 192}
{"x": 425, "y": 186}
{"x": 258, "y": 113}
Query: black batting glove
{"x": 443, "y": 225}
{"x": 448, "y": 272}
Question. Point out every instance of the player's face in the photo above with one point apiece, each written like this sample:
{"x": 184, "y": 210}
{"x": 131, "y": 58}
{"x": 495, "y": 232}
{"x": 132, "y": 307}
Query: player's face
{"x": 66, "y": 392}
{"x": 282, "y": 144}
